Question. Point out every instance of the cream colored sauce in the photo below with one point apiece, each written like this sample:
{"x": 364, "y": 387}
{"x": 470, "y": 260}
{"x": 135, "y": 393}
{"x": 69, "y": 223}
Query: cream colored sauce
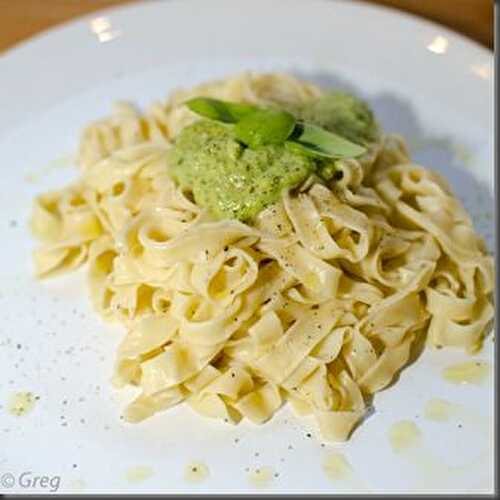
{"x": 196, "y": 472}
{"x": 21, "y": 403}
{"x": 139, "y": 473}
{"x": 261, "y": 477}
{"x": 404, "y": 435}
{"x": 470, "y": 372}
{"x": 336, "y": 467}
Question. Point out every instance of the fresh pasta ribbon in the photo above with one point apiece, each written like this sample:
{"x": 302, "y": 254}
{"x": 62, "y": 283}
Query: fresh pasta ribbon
{"x": 318, "y": 302}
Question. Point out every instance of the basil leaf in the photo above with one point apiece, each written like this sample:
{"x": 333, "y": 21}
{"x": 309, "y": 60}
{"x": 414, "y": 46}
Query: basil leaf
{"x": 257, "y": 127}
{"x": 215, "y": 109}
{"x": 316, "y": 141}
{"x": 266, "y": 126}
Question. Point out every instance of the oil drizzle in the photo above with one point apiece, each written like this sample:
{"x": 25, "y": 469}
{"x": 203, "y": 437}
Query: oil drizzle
{"x": 434, "y": 475}
{"x": 196, "y": 472}
{"x": 139, "y": 473}
{"x": 337, "y": 468}
{"x": 404, "y": 435}
{"x": 261, "y": 477}
{"x": 470, "y": 372}
{"x": 440, "y": 410}
{"x": 21, "y": 403}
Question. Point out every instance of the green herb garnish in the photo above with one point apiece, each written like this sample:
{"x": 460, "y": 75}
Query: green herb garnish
{"x": 222, "y": 111}
{"x": 257, "y": 127}
{"x": 316, "y": 141}
{"x": 263, "y": 127}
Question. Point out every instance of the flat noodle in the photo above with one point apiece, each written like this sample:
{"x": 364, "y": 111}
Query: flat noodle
{"x": 318, "y": 303}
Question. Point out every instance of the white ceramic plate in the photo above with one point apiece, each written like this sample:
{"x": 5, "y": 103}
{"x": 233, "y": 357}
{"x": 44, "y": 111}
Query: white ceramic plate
{"x": 427, "y": 83}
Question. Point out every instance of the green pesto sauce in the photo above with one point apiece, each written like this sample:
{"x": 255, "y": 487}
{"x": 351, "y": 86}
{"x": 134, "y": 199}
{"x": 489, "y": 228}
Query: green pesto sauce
{"x": 230, "y": 180}
{"x": 343, "y": 114}
{"x": 236, "y": 182}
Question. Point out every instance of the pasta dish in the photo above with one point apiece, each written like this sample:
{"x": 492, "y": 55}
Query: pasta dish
{"x": 263, "y": 241}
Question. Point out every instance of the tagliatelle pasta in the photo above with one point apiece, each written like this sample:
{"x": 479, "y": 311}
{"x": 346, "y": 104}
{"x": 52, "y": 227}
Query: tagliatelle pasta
{"x": 318, "y": 302}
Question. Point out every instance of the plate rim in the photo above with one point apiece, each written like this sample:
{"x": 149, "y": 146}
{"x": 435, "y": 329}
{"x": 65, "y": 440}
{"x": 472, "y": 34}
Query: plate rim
{"x": 30, "y": 41}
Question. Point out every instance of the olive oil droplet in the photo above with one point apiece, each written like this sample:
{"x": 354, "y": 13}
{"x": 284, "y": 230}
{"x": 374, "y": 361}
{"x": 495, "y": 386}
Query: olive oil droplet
{"x": 196, "y": 472}
{"x": 261, "y": 477}
{"x": 337, "y": 467}
{"x": 139, "y": 473}
{"x": 470, "y": 372}
{"x": 21, "y": 403}
{"x": 404, "y": 435}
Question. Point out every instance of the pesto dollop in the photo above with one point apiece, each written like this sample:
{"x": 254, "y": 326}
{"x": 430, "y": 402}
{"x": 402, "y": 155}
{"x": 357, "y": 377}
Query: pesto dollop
{"x": 343, "y": 114}
{"x": 233, "y": 181}
{"x": 230, "y": 180}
